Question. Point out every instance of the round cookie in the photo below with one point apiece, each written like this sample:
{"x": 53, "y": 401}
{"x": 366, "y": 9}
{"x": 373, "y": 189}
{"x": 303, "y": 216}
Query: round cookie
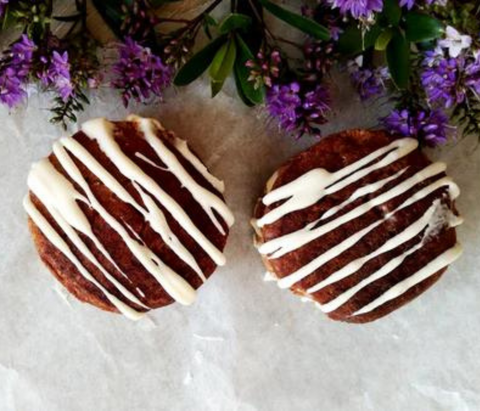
{"x": 126, "y": 217}
{"x": 360, "y": 224}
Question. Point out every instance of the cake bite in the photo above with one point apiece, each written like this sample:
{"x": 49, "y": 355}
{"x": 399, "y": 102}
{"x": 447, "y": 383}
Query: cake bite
{"x": 127, "y": 217}
{"x": 359, "y": 224}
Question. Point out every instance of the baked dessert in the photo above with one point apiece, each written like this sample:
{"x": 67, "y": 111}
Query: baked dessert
{"x": 126, "y": 216}
{"x": 360, "y": 224}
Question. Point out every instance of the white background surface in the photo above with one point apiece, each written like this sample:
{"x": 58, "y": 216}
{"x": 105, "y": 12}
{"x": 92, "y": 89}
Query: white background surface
{"x": 244, "y": 345}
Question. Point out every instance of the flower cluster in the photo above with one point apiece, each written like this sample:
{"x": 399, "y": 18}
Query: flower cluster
{"x": 358, "y": 9}
{"x": 430, "y": 127}
{"x": 14, "y": 71}
{"x": 265, "y": 68}
{"x": 299, "y": 111}
{"x": 369, "y": 82}
{"x": 57, "y": 74}
{"x": 139, "y": 73}
{"x": 423, "y": 55}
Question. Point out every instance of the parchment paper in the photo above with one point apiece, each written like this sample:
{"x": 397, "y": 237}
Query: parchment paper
{"x": 244, "y": 345}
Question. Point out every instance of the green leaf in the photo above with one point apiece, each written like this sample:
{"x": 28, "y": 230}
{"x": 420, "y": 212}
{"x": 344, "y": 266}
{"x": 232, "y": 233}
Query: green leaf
{"x": 304, "y": 24}
{"x": 383, "y": 39}
{"x": 210, "y": 20}
{"x": 392, "y": 12}
{"x": 353, "y": 41}
{"x": 422, "y": 27}
{"x": 235, "y": 21}
{"x": 398, "y": 58}
{"x": 240, "y": 91}
{"x": 197, "y": 65}
{"x": 242, "y": 72}
{"x": 222, "y": 65}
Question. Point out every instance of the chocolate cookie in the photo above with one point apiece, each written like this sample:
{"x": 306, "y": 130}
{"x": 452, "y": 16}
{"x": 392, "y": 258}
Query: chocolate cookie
{"x": 126, "y": 217}
{"x": 359, "y": 224}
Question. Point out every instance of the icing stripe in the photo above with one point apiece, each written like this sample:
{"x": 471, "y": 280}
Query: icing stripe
{"x": 61, "y": 199}
{"x": 150, "y": 162}
{"x": 425, "y": 222}
{"x": 335, "y": 251}
{"x": 59, "y": 196}
{"x": 322, "y": 183}
{"x": 292, "y": 241}
{"x": 101, "y": 131}
{"x": 309, "y": 188}
{"x": 362, "y": 191}
{"x": 151, "y": 212}
{"x": 182, "y": 147}
{"x": 207, "y": 200}
{"x": 442, "y": 261}
{"x": 52, "y": 236}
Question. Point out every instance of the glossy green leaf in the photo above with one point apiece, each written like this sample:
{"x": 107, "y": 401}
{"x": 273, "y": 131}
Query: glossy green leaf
{"x": 422, "y": 27}
{"x": 235, "y": 21}
{"x": 222, "y": 65}
{"x": 242, "y": 72}
{"x": 353, "y": 41}
{"x": 383, "y": 39}
{"x": 398, "y": 58}
{"x": 240, "y": 91}
{"x": 197, "y": 65}
{"x": 304, "y": 24}
{"x": 392, "y": 12}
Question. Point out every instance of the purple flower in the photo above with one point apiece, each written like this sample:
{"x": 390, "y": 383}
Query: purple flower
{"x": 298, "y": 110}
{"x": 283, "y": 102}
{"x": 472, "y": 75}
{"x": 139, "y": 73}
{"x": 407, "y": 3}
{"x": 15, "y": 68}
{"x": 410, "y": 3}
{"x": 11, "y": 88}
{"x": 369, "y": 82}
{"x": 359, "y": 9}
{"x": 57, "y": 74}
{"x": 440, "y": 79}
{"x": 3, "y": 5}
{"x": 428, "y": 126}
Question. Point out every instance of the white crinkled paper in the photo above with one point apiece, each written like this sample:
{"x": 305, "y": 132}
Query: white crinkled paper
{"x": 245, "y": 344}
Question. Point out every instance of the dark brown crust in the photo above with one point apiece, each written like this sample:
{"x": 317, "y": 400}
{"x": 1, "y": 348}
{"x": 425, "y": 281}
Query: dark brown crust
{"x": 334, "y": 153}
{"x": 127, "y": 136}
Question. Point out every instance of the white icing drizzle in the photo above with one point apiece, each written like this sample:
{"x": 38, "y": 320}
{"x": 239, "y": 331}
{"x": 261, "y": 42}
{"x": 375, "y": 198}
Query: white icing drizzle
{"x": 101, "y": 130}
{"x": 314, "y": 185}
{"x": 362, "y": 191}
{"x": 208, "y": 200}
{"x": 151, "y": 212}
{"x": 52, "y": 236}
{"x": 148, "y": 161}
{"x": 292, "y": 241}
{"x": 60, "y": 198}
{"x": 320, "y": 182}
{"x": 427, "y": 221}
{"x": 184, "y": 150}
{"x": 338, "y": 249}
{"x": 400, "y": 288}
{"x": 173, "y": 284}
